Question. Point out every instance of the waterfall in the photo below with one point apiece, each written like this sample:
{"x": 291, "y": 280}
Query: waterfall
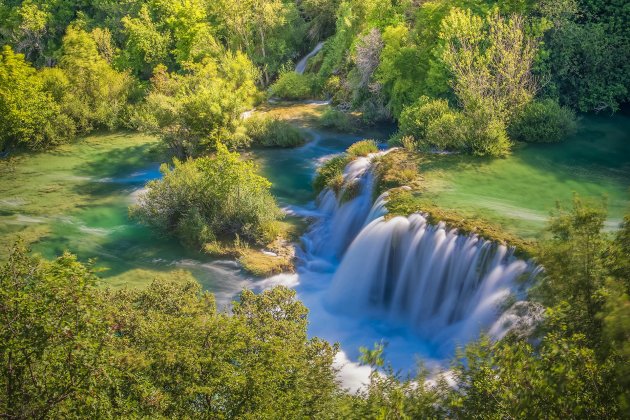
{"x": 444, "y": 286}
{"x": 301, "y": 65}
{"x": 342, "y": 220}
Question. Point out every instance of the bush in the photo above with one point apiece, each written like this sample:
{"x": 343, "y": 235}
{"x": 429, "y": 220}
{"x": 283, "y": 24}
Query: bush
{"x": 218, "y": 197}
{"x": 415, "y": 119}
{"x": 543, "y": 122}
{"x": 293, "y": 86}
{"x": 485, "y": 133}
{"x": 273, "y": 132}
{"x": 433, "y": 125}
{"x": 330, "y": 174}
{"x": 363, "y": 148}
{"x": 395, "y": 169}
{"x": 29, "y": 114}
{"x": 447, "y": 132}
{"x": 337, "y": 90}
{"x": 337, "y": 120}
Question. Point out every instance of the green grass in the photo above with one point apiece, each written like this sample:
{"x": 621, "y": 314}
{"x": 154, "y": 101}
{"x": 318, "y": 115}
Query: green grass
{"x": 363, "y": 148}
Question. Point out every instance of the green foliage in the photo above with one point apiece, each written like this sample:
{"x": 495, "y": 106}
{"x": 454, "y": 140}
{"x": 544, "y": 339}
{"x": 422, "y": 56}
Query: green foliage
{"x": 273, "y": 132}
{"x": 270, "y": 32}
{"x": 73, "y": 350}
{"x": 320, "y": 15}
{"x": 562, "y": 379}
{"x": 330, "y": 174}
{"x": 29, "y": 115}
{"x": 52, "y": 337}
{"x": 83, "y": 93}
{"x": 196, "y": 361}
{"x": 192, "y": 112}
{"x": 145, "y": 46}
{"x": 293, "y": 86}
{"x": 588, "y": 53}
{"x": 398, "y": 70}
{"x": 433, "y": 125}
{"x": 490, "y": 60}
{"x": 96, "y": 94}
{"x": 485, "y": 134}
{"x": 396, "y": 169}
{"x": 543, "y": 122}
{"x": 362, "y": 148}
{"x": 415, "y": 118}
{"x": 218, "y": 197}
{"x": 574, "y": 260}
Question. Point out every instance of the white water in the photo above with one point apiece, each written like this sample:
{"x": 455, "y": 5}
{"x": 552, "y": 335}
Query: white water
{"x": 301, "y": 65}
{"x": 423, "y": 289}
{"x": 443, "y": 286}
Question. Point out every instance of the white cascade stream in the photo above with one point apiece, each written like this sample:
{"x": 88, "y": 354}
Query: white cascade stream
{"x": 300, "y": 67}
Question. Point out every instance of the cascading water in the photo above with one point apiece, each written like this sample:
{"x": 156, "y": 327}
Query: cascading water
{"x": 300, "y": 67}
{"x": 342, "y": 219}
{"x": 443, "y": 286}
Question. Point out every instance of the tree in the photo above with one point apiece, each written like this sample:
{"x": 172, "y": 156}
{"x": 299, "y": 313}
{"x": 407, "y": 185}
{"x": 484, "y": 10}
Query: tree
{"x": 52, "y": 337}
{"x": 320, "y": 16}
{"x": 269, "y": 31}
{"x": 575, "y": 270}
{"x": 400, "y": 68}
{"x": 194, "y": 111}
{"x": 145, "y": 46}
{"x": 511, "y": 379}
{"x": 29, "y": 34}
{"x": 490, "y": 62}
{"x": 543, "y": 122}
{"x": 588, "y": 48}
{"x": 28, "y": 114}
{"x": 368, "y": 55}
{"x": 71, "y": 349}
{"x": 97, "y": 93}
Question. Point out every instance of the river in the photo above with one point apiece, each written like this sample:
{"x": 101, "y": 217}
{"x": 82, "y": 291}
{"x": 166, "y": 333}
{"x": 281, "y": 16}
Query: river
{"x": 76, "y": 198}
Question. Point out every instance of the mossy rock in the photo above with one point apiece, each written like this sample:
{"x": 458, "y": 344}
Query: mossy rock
{"x": 264, "y": 265}
{"x": 396, "y": 169}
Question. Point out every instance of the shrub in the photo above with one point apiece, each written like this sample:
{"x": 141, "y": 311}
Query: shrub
{"x": 447, "y": 132}
{"x": 432, "y": 124}
{"x": 218, "y": 197}
{"x": 407, "y": 142}
{"x": 337, "y": 120}
{"x": 330, "y": 174}
{"x": 273, "y": 132}
{"x": 485, "y": 133}
{"x": 543, "y": 122}
{"x": 337, "y": 90}
{"x": 363, "y": 148}
{"x": 293, "y": 86}
{"x": 415, "y": 119}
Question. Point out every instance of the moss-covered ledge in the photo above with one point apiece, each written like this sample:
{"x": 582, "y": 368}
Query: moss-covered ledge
{"x": 403, "y": 202}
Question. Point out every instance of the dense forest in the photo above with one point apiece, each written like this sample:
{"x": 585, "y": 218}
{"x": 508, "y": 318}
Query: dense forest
{"x": 471, "y": 77}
